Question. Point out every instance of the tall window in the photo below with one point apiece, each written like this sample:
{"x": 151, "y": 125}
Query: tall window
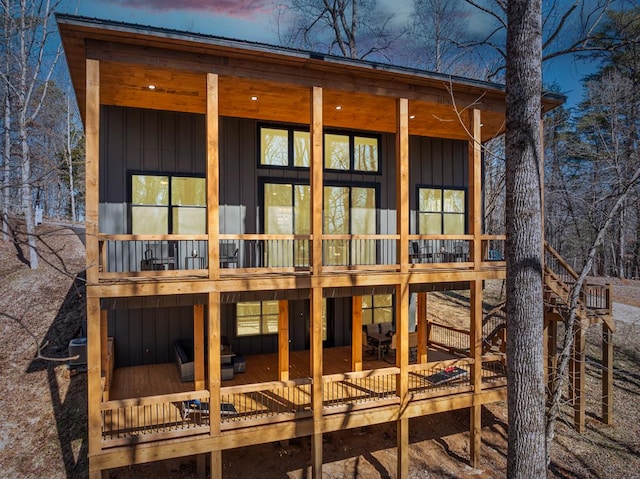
{"x": 349, "y": 210}
{"x": 377, "y": 309}
{"x": 441, "y": 211}
{"x": 257, "y": 317}
{"x": 163, "y": 204}
{"x": 290, "y": 147}
{"x": 287, "y": 210}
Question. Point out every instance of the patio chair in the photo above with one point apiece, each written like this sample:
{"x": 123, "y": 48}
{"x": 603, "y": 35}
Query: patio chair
{"x": 198, "y": 409}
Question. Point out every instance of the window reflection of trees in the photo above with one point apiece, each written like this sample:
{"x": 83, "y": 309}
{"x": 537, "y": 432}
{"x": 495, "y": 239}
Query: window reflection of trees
{"x": 336, "y": 152}
{"x": 275, "y": 147}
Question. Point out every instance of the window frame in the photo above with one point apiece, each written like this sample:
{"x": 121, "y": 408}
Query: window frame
{"x": 261, "y": 321}
{"x": 442, "y": 213}
{"x": 293, "y": 129}
{"x": 170, "y": 206}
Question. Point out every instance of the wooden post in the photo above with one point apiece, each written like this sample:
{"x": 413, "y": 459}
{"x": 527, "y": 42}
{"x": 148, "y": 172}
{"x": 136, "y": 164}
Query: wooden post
{"x": 402, "y": 380}
{"x": 402, "y": 182}
{"x": 356, "y": 333}
{"x": 475, "y": 186}
{"x": 607, "y": 361}
{"x": 423, "y": 333}
{"x": 94, "y": 393}
{"x": 316, "y": 134}
{"x": 475, "y": 339}
{"x": 283, "y": 340}
{"x": 402, "y": 431}
{"x": 552, "y": 352}
{"x": 213, "y": 343}
{"x": 317, "y": 387}
{"x": 579, "y": 404}
{"x": 198, "y": 346}
{"x": 92, "y": 170}
{"x": 607, "y": 374}
{"x": 213, "y": 175}
{"x": 104, "y": 338}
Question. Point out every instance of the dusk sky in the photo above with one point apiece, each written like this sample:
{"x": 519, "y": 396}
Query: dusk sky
{"x": 255, "y": 20}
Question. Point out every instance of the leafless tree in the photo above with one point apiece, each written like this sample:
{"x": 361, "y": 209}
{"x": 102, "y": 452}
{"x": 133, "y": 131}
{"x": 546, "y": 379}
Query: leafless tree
{"x": 29, "y": 33}
{"x": 355, "y": 29}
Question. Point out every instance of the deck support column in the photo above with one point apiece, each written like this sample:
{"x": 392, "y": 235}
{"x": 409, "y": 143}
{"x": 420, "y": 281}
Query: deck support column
{"x": 213, "y": 378}
{"x": 198, "y": 346}
{"x": 422, "y": 328}
{"x": 475, "y": 186}
{"x": 607, "y": 374}
{"x": 94, "y": 393}
{"x": 317, "y": 386}
{"x": 356, "y": 333}
{"x": 552, "y": 351}
{"x": 283, "y": 340}
{"x": 104, "y": 353}
{"x": 475, "y": 338}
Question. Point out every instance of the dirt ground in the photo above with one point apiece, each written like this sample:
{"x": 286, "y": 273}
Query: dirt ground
{"x": 43, "y": 408}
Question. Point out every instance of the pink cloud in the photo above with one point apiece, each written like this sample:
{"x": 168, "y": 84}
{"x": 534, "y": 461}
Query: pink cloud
{"x": 234, "y": 8}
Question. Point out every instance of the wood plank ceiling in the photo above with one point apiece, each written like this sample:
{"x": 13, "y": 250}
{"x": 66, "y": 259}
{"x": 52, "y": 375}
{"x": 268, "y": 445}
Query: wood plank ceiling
{"x": 270, "y": 86}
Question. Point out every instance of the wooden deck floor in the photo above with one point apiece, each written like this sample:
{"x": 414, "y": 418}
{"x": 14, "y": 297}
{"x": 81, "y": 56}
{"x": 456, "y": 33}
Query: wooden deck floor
{"x": 157, "y": 379}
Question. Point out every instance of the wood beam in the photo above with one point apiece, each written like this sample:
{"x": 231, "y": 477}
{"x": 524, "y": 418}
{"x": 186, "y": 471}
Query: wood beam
{"x": 317, "y": 386}
{"x": 104, "y": 338}
{"x": 475, "y": 435}
{"x": 579, "y": 377}
{"x": 475, "y": 339}
{"x": 94, "y": 392}
{"x": 92, "y": 170}
{"x": 403, "y": 448}
{"x": 402, "y": 343}
{"x": 607, "y": 374}
{"x": 213, "y": 175}
{"x": 198, "y": 347}
{"x": 283, "y": 340}
{"x": 316, "y": 133}
{"x": 214, "y": 363}
{"x": 216, "y": 464}
{"x": 356, "y": 333}
{"x": 475, "y": 185}
{"x": 422, "y": 327}
{"x": 402, "y": 182}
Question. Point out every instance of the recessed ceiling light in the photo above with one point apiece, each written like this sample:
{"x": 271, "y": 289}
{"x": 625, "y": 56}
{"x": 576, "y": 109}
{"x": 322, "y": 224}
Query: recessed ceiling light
{"x": 411, "y": 117}
{"x": 338, "y": 107}
{"x": 254, "y": 98}
{"x": 151, "y": 87}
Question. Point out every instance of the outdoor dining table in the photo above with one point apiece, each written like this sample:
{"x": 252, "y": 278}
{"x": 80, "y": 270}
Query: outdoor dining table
{"x": 380, "y": 340}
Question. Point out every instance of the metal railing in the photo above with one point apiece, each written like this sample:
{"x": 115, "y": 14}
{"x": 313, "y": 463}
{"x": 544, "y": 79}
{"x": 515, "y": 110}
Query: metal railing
{"x": 268, "y": 402}
{"x": 439, "y": 249}
{"x": 447, "y": 337}
{"x": 354, "y": 388}
{"x": 151, "y": 418}
{"x": 440, "y": 377}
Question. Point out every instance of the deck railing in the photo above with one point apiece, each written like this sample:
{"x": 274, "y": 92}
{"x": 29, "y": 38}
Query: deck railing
{"x": 494, "y": 370}
{"x": 493, "y": 248}
{"x": 436, "y": 378}
{"x": 596, "y": 297}
{"x": 436, "y": 249}
{"x": 149, "y": 418}
{"x": 267, "y": 402}
{"x": 123, "y": 255}
{"x": 447, "y": 337}
{"x": 359, "y": 388}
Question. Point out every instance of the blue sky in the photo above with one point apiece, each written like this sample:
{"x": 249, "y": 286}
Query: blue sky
{"x": 254, "y": 20}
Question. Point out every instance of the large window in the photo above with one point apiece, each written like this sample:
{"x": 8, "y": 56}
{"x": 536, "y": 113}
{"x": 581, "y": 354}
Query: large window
{"x": 257, "y": 317}
{"x": 349, "y": 210}
{"x": 377, "y": 309}
{"x": 441, "y": 211}
{"x": 290, "y": 147}
{"x": 163, "y": 204}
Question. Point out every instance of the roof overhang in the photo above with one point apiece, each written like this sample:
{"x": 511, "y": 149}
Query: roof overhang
{"x": 133, "y": 57}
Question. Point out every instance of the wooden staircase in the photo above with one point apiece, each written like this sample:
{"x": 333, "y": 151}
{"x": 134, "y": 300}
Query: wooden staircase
{"x": 593, "y": 307}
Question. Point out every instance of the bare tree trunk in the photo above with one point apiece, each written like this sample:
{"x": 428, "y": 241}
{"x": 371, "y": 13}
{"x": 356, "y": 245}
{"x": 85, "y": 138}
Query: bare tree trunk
{"x": 72, "y": 197}
{"x": 6, "y": 194}
{"x": 526, "y": 456}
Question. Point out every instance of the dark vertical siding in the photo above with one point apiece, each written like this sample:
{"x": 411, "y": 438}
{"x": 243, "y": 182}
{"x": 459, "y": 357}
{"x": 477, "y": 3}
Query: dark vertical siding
{"x": 155, "y": 141}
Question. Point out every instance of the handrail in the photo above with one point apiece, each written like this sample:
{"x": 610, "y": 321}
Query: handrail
{"x": 150, "y": 400}
{"x": 258, "y": 387}
{"x": 360, "y": 374}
